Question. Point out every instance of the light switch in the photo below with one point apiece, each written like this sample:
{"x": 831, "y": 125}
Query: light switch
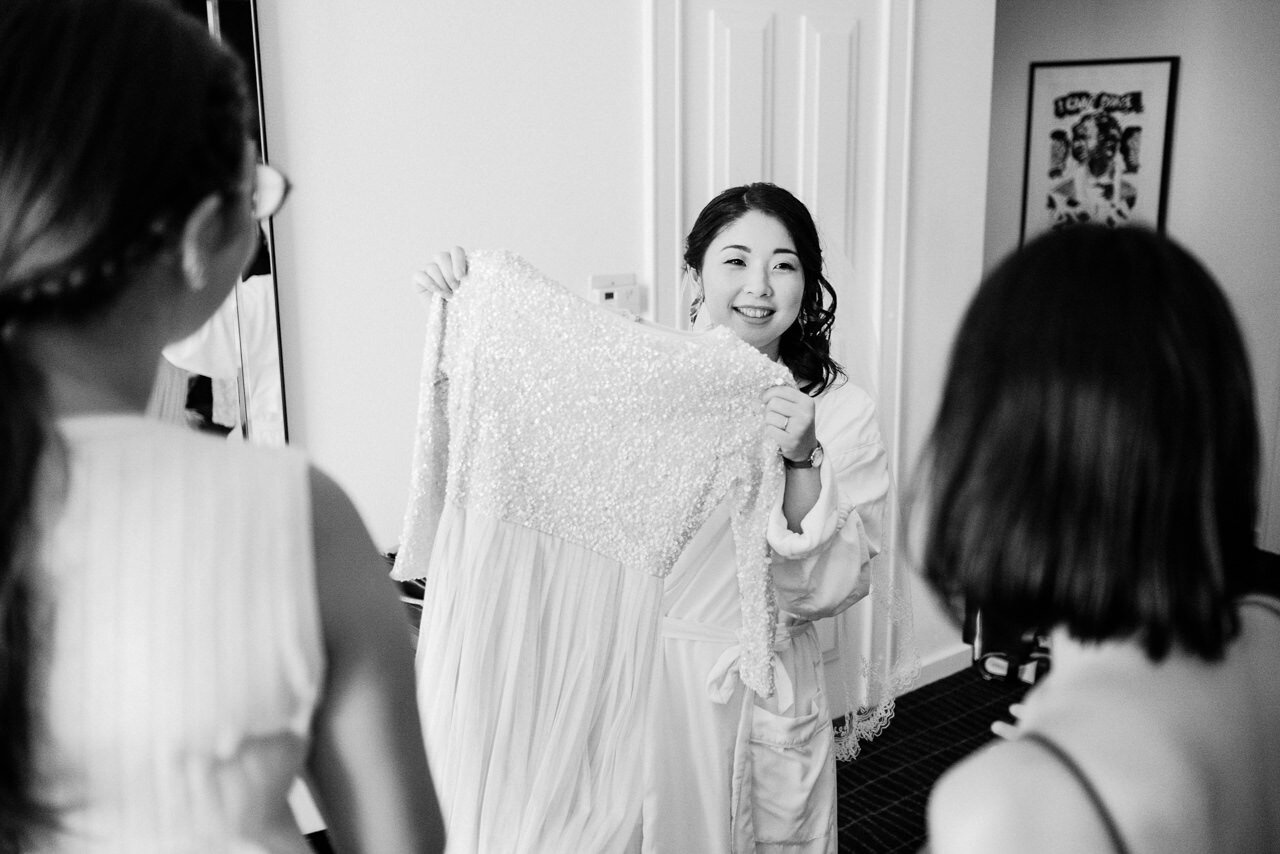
{"x": 618, "y": 291}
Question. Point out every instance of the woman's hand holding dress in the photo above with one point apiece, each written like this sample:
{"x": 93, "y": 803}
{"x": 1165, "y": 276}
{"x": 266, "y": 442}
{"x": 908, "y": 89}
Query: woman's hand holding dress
{"x": 442, "y": 275}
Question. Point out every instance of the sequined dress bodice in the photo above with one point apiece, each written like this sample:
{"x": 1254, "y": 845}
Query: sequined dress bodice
{"x": 542, "y": 410}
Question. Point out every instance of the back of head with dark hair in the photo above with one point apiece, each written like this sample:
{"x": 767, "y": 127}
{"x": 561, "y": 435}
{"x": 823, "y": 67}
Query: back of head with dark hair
{"x": 119, "y": 117}
{"x": 1094, "y": 460}
{"x": 116, "y": 118}
{"x": 805, "y": 348}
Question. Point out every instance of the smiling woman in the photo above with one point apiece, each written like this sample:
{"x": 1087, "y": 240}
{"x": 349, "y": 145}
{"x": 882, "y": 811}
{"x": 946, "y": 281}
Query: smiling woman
{"x": 727, "y": 768}
{"x": 755, "y": 264}
{"x": 755, "y": 259}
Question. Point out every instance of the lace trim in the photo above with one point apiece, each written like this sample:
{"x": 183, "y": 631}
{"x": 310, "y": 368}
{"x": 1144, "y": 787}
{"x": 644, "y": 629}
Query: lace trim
{"x": 864, "y": 724}
{"x": 892, "y": 668}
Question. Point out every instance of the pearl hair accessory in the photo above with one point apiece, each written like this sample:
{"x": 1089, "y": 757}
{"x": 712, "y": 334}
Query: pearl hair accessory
{"x": 55, "y": 289}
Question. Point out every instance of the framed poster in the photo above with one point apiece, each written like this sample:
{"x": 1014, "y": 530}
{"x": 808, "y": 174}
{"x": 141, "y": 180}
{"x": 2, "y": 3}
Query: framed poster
{"x": 1099, "y": 136}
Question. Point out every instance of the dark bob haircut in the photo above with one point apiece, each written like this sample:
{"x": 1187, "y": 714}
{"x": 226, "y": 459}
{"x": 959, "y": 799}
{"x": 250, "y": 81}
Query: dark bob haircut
{"x": 1094, "y": 460}
{"x": 805, "y": 348}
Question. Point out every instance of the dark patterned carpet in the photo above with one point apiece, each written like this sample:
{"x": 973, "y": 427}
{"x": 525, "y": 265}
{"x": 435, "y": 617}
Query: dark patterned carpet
{"x": 882, "y": 793}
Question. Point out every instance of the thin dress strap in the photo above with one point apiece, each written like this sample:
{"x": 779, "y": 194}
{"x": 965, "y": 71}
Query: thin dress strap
{"x": 1117, "y": 842}
{"x": 1262, "y": 600}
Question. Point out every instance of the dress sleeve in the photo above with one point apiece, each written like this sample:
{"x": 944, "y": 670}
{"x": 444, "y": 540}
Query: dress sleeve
{"x": 825, "y": 567}
{"x": 430, "y": 455}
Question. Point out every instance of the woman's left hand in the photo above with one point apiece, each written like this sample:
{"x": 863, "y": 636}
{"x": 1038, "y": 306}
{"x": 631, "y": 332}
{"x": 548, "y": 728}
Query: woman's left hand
{"x": 788, "y": 418}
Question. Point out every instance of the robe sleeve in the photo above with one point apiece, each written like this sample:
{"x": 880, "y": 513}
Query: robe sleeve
{"x": 825, "y": 567}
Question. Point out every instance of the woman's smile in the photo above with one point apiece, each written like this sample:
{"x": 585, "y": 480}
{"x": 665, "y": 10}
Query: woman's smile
{"x": 754, "y": 312}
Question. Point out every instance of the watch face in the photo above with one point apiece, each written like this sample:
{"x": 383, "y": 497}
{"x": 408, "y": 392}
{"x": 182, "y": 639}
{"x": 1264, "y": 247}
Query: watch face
{"x": 816, "y": 456}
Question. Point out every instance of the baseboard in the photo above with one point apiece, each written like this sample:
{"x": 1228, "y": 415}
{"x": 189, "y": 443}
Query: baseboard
{"x": 304, "y": 809}
{"x": 944, "y": 662}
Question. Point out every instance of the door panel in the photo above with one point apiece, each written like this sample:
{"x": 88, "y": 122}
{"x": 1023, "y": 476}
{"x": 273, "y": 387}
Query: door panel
{"x": 800, "y": 93}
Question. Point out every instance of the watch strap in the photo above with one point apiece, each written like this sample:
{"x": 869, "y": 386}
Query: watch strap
{"x": 809, "y": 462}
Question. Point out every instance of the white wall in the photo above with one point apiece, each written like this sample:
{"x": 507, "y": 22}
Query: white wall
{"x": 407, "y": 126}
{"x": 1224, "y": 196}
{"x": 950, "y": 121}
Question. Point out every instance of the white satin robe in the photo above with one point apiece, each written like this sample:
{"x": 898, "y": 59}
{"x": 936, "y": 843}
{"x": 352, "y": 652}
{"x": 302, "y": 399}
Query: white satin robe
{"x": 727, "y": 770}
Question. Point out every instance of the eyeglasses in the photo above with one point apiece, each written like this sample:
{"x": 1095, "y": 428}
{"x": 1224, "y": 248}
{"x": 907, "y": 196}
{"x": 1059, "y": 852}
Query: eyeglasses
{"x": 270, "y": 189}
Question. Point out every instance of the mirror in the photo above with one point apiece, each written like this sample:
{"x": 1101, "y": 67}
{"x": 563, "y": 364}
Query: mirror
{"x": 227, "y": 377}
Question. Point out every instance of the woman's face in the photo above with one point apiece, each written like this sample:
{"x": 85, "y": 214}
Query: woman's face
{"x": 752, "y": 280}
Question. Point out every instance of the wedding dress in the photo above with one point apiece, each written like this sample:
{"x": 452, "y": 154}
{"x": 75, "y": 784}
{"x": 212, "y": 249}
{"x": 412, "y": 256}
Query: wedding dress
{"x": 565, "y": 456}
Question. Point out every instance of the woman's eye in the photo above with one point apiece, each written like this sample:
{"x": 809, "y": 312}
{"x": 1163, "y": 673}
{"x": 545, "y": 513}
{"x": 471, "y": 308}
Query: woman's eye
{"x": 738, "y": 261}
{"x": 788, "y": 266}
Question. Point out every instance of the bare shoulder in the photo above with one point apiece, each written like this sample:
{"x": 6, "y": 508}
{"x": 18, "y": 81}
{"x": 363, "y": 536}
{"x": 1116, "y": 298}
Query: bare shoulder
{"x": 330, "y": 504}
{"x": 1011, "y": 797}
{"x": 340, "y": 533}
{"x": 974, "y": 808}
{"x": 351, "y": 577}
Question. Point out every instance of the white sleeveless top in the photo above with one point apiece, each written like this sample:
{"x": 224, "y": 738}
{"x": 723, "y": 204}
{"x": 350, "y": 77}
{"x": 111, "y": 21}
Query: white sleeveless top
{"x": 181, "y": 648}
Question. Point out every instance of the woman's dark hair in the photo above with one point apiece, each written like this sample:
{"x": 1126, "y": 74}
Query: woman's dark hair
{"x": 805, "y": 348}
{"x": 1094, "y": 460}
{"x": 116, "y": 118}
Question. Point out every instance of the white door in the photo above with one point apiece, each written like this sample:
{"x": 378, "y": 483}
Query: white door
{"x": 811, "y": 95}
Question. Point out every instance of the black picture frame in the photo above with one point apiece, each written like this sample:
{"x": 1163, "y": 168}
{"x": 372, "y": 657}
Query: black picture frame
{"x": 1099, "y": 142}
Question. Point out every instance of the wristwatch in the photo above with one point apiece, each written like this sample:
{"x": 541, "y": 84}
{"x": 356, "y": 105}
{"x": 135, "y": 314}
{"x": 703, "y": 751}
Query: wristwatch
{"x": 814, "y": 459}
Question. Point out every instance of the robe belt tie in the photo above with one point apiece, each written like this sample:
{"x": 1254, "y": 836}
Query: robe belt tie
{"x": 724, "y": 677}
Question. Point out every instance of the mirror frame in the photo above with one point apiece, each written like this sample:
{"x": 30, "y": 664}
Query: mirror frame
{"x": 242, "y": 36}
